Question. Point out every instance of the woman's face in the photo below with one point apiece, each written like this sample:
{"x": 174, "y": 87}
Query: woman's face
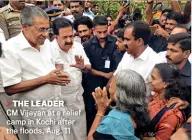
{"x": 112, "y": 88}
{"x": 156, "y": 83}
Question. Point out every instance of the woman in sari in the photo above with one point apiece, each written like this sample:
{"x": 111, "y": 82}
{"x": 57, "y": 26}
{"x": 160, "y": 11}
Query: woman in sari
{"x": 166, "y": 83}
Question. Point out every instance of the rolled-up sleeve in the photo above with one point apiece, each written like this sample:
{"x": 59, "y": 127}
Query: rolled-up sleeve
{"x": 10, "y": 69}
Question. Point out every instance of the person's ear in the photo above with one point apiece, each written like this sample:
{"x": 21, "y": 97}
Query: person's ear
{"x": 186, "y": 54}
{"x": 25, "y": 27}
{"x": 140, "y": 41}
{"x": 164, "y": 85}
{"x": 93, "y": 29}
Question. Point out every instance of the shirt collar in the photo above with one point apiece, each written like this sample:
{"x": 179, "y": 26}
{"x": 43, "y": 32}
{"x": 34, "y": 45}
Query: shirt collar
{"x": 24, "y": 43}
{"x": 145, "y": 54}
{"x": 95, "y": 40}
{"x": 186, "y": 70}
{"x": 11, "y": 8}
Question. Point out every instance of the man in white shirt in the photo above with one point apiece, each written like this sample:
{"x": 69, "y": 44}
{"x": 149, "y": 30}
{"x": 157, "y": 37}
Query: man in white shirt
{"x": 139, "y": 57}
{"x": 28, "y": 68}
{"x": 75, "y": 62}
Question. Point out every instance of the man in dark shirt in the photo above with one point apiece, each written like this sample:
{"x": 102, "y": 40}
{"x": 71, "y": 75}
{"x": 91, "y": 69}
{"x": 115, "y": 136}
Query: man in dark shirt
{"x": 178, "y": 51}
{"x": 100, "y": 51}
{"x": 158, "y": 41}
{"x": 121, "y": 49}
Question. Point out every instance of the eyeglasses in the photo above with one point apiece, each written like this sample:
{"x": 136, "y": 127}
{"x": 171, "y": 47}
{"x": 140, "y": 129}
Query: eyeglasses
{"x": 43, "y": 30}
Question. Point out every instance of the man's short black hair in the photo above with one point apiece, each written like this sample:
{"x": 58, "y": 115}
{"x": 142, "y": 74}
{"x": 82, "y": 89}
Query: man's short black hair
{"x": 166, "y": 10}
{"x": 183, "y": 39}
{"x": 94, "y": 6}
{"x": 120, "y": 33}
{"x": 100, "y": 20}
{"x": 80, "y": 2}
{"x": 178, "y": 17}
{"x": 83, "y": 20}
{"x": 60, "y": 23}
{"x": 141, "y": 30}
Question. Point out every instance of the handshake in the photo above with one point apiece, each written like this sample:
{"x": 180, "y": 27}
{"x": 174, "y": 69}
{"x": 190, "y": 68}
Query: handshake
{"x": 57, "y": 77}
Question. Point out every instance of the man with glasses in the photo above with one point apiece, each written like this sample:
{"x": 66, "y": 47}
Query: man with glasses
{"x": 32, "y": 70}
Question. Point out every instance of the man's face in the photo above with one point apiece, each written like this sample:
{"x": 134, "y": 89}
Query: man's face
{"x": 40, "y": 3}
{"x": 97, "y": 9}
{"x": 87, "y": 4}
{"x": 170, "y": 25}
{"x": 162, "y": 19}
{"x": 120, "y": 45}
{"x": 100, "y": 32}
{"x": 109, "y": 21}
{"x": 76, "y": 8}
{"x": 84, "y": 32}
{"x": 58, "y": 4}
{"x": 174, "y": 54}
{"x": 19, "y": 4}
{"x": 39, "y": 31}
{"x": 130, "y": 42}
{"x": 65, "y": 38}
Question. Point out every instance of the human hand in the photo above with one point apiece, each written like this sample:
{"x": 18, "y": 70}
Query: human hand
{"x": 101, "y": 99}
{"x": 123, "y": 8}
{"x": 180, "y": 104}
{"x": 5, "y": 136}
{"x": 57, "y": 77}
{"x": 79, "y": 62}
{"x": 161, "y": 31}
{"x": 108, "y": 75}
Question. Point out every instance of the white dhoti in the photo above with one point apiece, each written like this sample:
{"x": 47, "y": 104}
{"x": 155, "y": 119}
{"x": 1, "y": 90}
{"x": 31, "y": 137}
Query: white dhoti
{"x": 77, "y": 130}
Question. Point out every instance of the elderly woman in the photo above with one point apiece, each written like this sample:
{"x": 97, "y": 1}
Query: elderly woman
{"x": 165, "y": 81}
{"x": 130, "y": 111}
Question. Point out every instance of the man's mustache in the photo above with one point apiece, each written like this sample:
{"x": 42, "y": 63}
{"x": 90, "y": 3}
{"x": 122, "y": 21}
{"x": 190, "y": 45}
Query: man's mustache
{"x": 167, "y": 57}
{"x": 68, "y": 43}
{"x": 103, "y": 38}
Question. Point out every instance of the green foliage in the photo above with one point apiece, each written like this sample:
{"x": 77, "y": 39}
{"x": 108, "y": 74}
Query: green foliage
{"x": 108, "y": 7}
{"x": 112, "y": 7}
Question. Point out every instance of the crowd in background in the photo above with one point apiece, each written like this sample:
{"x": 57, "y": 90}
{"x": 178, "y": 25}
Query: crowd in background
{"x": 130, "y": 77}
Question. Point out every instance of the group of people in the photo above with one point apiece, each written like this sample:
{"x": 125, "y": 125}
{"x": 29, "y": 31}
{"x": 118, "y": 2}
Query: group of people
{"x": 131, "y": 79}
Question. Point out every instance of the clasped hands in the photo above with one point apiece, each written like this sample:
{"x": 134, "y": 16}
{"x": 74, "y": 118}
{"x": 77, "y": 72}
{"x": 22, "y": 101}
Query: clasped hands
{"x": 57, "y": 77}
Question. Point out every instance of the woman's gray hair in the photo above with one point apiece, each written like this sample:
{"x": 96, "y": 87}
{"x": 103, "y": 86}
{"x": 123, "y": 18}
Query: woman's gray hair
{"x": 29, "y": 12}
{"x": 131, "y": 96}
